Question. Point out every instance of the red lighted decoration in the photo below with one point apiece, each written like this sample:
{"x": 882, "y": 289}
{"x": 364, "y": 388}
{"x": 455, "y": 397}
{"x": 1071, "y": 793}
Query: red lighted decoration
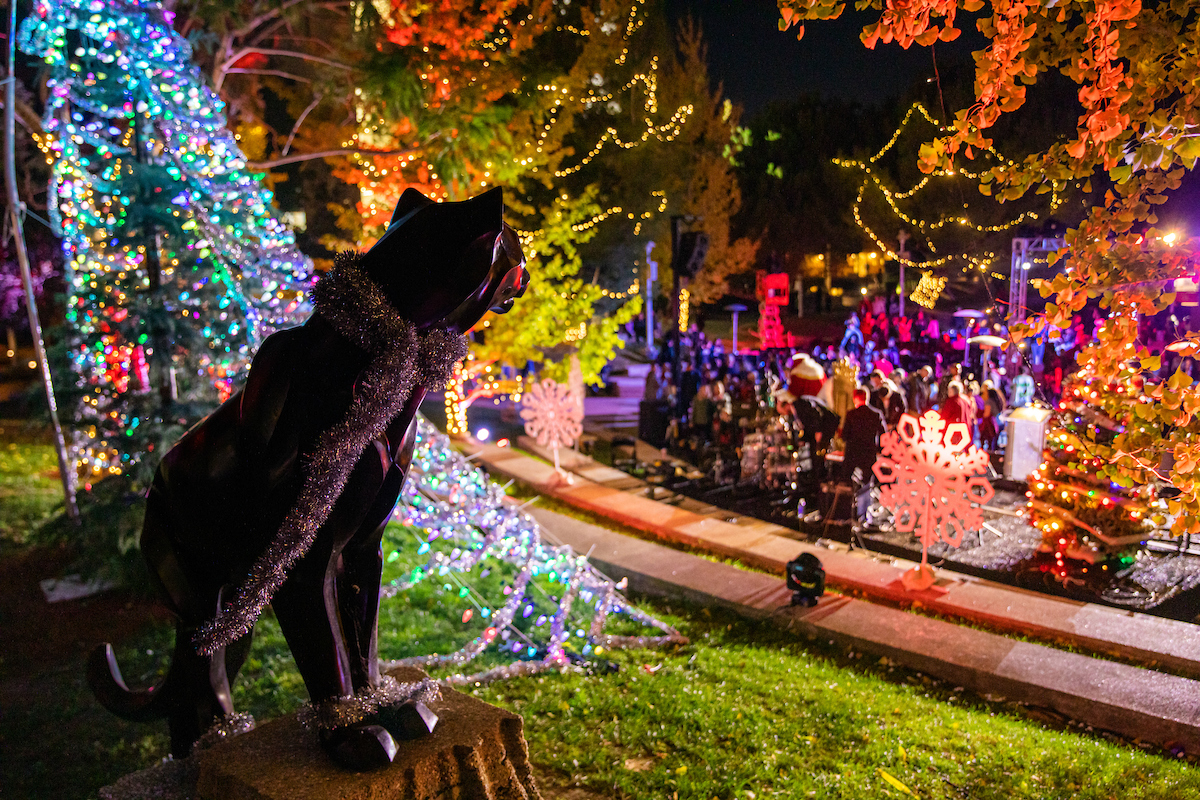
{"x": 773, "y": 289}
{"x": 933, "y": 480}
{"x": 772, "y": 292}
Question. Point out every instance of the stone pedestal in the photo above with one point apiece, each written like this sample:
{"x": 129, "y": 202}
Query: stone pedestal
{"x": 476, "y": 752}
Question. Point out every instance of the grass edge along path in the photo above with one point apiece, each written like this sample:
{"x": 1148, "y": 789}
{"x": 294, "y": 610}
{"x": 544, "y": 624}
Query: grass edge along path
{"x": 571, "y": 506}
{"x": 743, "y": 711}
{"x": 746, "y": 710}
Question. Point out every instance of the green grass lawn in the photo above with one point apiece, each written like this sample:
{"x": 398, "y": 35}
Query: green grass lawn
{"x": 744, "y": 710}
{"x": 30, "y": 490}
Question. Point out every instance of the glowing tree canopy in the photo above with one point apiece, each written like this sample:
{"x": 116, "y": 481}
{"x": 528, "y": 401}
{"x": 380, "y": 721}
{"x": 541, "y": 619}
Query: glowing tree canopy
{"x": 933, "y": 480}
{"x": 176, "y": 267}
{"x": 598, "y": 136}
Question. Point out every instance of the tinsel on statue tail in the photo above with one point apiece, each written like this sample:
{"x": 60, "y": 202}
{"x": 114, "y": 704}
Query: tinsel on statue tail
{"x": 458, "y": 503}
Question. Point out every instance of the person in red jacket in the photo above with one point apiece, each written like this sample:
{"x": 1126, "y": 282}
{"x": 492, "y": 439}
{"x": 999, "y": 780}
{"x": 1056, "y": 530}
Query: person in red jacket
{"x": 956, "y": 408}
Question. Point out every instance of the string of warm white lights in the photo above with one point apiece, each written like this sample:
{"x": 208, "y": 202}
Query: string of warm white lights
{"x": 956, "y": 221}
{"x": 929, "y": 288}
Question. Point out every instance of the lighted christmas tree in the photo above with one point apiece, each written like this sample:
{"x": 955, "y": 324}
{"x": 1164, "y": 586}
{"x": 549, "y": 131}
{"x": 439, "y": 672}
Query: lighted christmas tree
{"x": 1088, "y": 521}
{"x": 519, "y": 604}
{"x": 176, "y": 267}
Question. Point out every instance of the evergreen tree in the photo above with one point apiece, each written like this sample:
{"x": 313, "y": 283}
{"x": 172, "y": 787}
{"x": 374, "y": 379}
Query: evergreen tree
{"x": 1087, "y": 520}
{"x": 176, "y": 267}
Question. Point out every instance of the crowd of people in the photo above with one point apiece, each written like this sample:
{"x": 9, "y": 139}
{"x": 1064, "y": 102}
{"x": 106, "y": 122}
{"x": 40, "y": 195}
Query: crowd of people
{"x": 835, "y": 399}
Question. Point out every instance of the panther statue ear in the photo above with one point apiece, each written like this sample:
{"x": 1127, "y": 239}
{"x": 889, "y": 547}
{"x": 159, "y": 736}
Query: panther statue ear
{"x": 434, "y": 256}
{"x": 410, "y": 201}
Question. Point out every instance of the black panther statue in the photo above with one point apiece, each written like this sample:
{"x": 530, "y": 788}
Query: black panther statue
{"x": 281, "y": 495}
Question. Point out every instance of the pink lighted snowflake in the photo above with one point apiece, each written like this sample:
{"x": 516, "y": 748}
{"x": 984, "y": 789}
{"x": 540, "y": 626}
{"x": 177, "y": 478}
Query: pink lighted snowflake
{"x": 933, "y": 479}
{"x": 552, "y": 414}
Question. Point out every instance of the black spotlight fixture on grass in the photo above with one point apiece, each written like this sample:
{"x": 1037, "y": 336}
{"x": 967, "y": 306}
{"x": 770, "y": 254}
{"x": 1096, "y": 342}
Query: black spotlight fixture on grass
{"x": 806, "y": 579}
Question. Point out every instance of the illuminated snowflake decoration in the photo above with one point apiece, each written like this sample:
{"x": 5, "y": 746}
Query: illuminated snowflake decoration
{"x": 552, "y": 414}
{"x": 933, "y": 479}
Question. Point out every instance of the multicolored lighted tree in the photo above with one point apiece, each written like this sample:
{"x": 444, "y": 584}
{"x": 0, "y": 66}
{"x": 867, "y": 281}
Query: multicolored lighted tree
{"x": 525, "y": 606}
{"x": 176, "y": 267}
{"x": 1086, "y": 518}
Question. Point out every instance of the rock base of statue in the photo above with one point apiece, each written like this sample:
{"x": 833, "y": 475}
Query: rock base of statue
{"x": 477, "y": 751}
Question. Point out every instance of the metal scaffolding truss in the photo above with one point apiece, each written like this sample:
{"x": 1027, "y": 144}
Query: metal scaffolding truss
{"x": 1025, "y": 251}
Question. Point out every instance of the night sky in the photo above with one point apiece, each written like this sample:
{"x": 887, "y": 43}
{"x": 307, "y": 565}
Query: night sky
{"x": 758, "y": 63}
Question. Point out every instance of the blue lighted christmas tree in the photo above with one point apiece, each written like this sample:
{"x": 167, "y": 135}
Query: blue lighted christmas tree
{"x": 176, "y": 267}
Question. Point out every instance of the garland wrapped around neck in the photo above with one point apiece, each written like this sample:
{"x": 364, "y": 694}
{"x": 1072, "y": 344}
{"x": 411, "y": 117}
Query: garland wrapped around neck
{"x": 402, "y": 358}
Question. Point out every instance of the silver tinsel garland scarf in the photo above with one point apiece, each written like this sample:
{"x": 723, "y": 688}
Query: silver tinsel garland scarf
{"x": 402, "y": 358}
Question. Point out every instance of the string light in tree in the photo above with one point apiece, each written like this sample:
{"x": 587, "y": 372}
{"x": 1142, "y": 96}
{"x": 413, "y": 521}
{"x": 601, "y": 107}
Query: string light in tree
{"x": 472, "y": 381}
{"x": 958, "y": 221}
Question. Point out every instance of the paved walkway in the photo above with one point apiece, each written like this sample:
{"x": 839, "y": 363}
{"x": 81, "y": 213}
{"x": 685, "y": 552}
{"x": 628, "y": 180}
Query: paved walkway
{"x": 1134, "y": 637}
{"x": 1139, "y": 704}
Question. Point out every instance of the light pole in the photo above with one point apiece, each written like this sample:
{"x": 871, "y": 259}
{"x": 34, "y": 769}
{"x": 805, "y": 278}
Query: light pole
{"x": 736, "y": 308}
{"x": 65, "y": 468}
{"x": 651, "y": 277}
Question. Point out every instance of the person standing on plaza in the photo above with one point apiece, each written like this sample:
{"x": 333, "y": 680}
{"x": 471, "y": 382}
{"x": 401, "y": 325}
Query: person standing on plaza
{"x": 989, "y": 423}
{"x": 653, "y": 387}
{"x": 860, "y": 431}
{"x": 917, "y": 387}
{"x": 953, "y": 374}
{"x": 702, "y": 412}
{"x": 689, "y": 384}
{"x": 957, "y": 408}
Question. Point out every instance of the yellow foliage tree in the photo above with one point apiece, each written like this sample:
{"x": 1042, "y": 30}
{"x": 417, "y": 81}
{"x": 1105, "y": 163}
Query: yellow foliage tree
{"x": 1137, "y": 68}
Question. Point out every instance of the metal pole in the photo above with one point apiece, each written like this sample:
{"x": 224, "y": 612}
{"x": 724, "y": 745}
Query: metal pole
{"x": 1016, "y": 279}
{"x": 15, "y": 207}
{"x": 735, "y": 327}
{"x": 651, "y": 274}
{"x": 676, "y": 309}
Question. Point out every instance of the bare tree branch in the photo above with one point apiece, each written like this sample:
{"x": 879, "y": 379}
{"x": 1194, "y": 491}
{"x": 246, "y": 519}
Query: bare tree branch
{"x": 276, "y": 72}
{"x": 279, "y": 162}
{"x": 262, "y": 19}
{"x": 300, "y": 121}
{"x": 307, "y": 40}
{"x": 267, "y": 51}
